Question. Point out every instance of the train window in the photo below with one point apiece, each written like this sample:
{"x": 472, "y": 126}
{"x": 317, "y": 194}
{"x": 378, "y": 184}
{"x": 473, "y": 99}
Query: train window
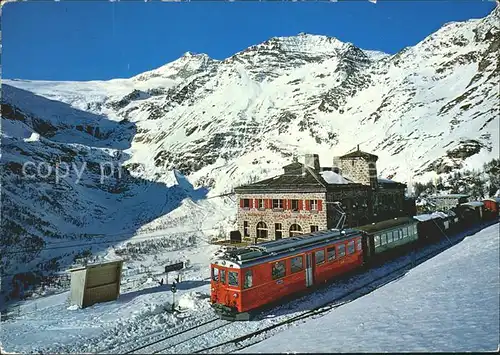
{"x": 390, "y": 237}
{"x": 358, "y": 244}
{"x": 278, "y": 270}
{"x": 319, "y": 256}
{"x": 232, "y": 278}
{"x": 223, "y": 276}
{"x": 215, "y": 274}
{"x": 248, "y": 279}
{"x": 384, "y": 239}
{"x": 405, "y": 232}
{"x": 341, "y": 250}
{"x": 350, "y": 247}
{"x": 376, "y": 240}
{"x": 330, "y": 253}
{"x": 297, "y": 263}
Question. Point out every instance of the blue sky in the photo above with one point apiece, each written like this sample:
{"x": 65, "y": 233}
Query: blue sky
{"x": 97, "y": 40}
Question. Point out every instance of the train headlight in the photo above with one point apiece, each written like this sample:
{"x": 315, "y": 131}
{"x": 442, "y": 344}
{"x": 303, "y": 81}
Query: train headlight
{"x": 235, "y": 295}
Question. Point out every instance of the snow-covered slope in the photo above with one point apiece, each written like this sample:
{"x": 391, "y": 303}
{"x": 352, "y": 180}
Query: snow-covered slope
{"x": 428, "y": 109}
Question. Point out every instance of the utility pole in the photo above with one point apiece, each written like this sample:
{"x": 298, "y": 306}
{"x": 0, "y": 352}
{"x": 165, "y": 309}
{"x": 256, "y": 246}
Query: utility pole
{"x": 174, "y": 290}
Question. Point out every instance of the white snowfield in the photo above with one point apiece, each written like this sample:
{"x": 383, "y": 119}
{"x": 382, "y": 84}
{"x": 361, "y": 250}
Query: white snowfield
{"x": 448, "y": 304}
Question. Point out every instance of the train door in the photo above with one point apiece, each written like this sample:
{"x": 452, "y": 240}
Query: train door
{"x": 215, "y": 285}
{"x": 309, "y": 270}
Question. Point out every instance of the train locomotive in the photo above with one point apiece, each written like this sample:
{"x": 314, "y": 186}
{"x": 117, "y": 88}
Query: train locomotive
{"x": 246, "y": 280}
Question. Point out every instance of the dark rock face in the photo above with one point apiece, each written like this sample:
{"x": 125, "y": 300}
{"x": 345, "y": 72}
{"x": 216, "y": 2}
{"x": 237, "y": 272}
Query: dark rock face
{"x": 465, "y": 149}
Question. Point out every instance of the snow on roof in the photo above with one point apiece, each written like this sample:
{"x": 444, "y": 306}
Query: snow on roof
{"x": 433, "y": 215}
{"x": 474, "y": 204}
{"x": 496, "y": 199}
{"x": 333, "y": 178}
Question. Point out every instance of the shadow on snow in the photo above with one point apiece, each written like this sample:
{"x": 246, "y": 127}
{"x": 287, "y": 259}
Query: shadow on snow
{"x": 62, "y": 215}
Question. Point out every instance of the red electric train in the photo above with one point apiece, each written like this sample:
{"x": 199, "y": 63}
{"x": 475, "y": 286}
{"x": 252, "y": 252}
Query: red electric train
{"x": 249, "y": 278}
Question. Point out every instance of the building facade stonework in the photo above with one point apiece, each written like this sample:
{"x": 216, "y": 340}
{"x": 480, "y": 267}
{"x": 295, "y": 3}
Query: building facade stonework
{"x": 268, "y": 223}
{"x": 307, "y": 198}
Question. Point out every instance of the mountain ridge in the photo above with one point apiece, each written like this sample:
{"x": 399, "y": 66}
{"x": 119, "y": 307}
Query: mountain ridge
{"x": 425, "y": 111}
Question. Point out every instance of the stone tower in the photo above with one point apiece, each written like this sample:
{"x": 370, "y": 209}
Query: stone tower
{"x": 360, "y": 167}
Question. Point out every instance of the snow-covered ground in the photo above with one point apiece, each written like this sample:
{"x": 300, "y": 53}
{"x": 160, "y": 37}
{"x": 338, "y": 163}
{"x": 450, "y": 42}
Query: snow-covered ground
{"x": 449, "y": 303}
{"x": 50, "y": 322}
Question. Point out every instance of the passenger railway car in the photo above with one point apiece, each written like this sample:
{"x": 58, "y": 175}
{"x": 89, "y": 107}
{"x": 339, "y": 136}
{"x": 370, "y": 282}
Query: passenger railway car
{"x": 432, "y": 227}
{"x": 248, "y": 278}
{"x": 387, "y": 238}
{"x": 471, "y": 212}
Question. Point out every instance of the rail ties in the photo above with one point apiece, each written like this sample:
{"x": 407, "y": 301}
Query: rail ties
{"x": 164, "y": 343}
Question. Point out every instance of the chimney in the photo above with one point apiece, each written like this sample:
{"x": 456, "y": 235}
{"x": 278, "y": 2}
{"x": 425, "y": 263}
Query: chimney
{"x": 336, "y": 165}
{"x": 358, "y": 147}
{"x": 312, "y": 161}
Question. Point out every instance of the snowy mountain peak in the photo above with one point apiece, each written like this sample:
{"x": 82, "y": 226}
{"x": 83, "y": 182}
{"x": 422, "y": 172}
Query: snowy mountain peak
{"x": 303, "y": 43}
{"x": 428, "y": 110}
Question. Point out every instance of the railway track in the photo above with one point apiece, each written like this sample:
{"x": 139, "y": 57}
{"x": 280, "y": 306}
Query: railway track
{"x": 179, "y": 342}
{"x": 242, "y": 342}
{"x": 165, "y": 342}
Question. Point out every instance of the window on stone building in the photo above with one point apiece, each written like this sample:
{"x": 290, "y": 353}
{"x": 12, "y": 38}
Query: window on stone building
{"x": 260, "y": 203}
{"x": 295, "y": 205}
{"x": 262, "y": 230}
{"x": 314, "y": 229}
{"x": 314, "y": 205}
{"x": 277, "y": 203}
{"x": 295, "y": 230}
{"x": 246, "y": 203}
{"x": 245, "y": 229}
{"x": 278, "y": 231}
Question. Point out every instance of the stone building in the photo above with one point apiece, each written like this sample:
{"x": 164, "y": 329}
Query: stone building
{"x": 307, "y": 197}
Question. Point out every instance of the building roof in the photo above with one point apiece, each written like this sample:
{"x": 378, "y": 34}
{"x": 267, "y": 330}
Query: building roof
{"x": 496, "y": 199}
{"x": 94, "y": 265}
{"x": 429, "y": 216}
{"x": 390, "y": 183}
{"x": 359, "y": 154}
{"x": 298, "y": 177}
{"x": 473, "y": 204}
{"x": 333, "y": 178}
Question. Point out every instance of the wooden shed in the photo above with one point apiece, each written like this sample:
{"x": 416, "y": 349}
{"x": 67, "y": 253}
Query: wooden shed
{"x": 95, "y": 283}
